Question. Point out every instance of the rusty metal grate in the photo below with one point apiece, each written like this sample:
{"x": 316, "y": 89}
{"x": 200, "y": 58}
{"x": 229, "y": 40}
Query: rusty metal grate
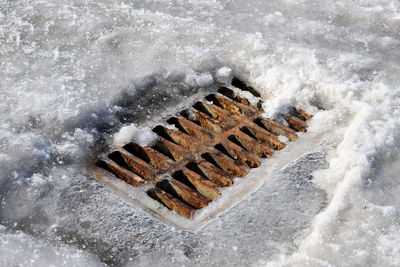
{"x": 211, "y": 142}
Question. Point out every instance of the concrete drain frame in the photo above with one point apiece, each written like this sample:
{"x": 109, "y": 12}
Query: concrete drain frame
{"x": 196, "y": 168}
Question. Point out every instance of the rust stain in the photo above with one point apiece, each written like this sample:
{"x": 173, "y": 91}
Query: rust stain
{"x": 189, "y": 195}
{"x": 124, "y": 174}
{"x": 296, "y": 123}
{"x": 137, "y": 165}
{"x": 202, "y": 185}
{"x": 173, "y": 203}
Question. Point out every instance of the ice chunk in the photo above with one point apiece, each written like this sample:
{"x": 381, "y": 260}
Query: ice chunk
{"x": 143, "y": 136}
{"x": 204, "y": 79}
{"x": 224, "y": 75}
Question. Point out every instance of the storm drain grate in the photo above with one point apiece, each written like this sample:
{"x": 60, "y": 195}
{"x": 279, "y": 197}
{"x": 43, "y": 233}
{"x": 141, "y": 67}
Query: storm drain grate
{"x": 206, "y": 146}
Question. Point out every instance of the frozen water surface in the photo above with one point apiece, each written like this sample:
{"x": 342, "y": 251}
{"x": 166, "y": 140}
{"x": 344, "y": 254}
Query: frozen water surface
{"x": 75, "y": 72}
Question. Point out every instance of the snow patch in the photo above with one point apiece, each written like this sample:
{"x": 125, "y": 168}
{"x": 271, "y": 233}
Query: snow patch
{"x": 142, "y": 136}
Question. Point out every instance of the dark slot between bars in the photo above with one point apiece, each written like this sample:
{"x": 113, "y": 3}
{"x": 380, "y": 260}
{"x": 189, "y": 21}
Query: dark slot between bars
{"x": 117, "y": 158}
{"x": 137, "y": 151}
{"x": 209, "y": 158}
{"x": 246, "y": 130}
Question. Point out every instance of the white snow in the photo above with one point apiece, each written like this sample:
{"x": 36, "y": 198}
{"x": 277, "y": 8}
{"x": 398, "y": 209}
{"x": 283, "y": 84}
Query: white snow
{"x": 142, "y": 136}
{"x": 224, "y": 75}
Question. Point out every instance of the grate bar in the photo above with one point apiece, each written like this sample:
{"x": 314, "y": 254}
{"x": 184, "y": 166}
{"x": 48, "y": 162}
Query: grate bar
{"x": 172, "y": 203}
{"x": 214, "y": 174}
{"x": 137, "y": 165}
{"x": 277, "y": 128}
{"x": 187, "y": 194}
{"x": 126, "y": 175}
{"x": 296, "y": 123}
{"x": 202, "y": 185}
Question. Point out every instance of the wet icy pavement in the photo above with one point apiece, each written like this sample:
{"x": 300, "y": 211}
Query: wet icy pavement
{"x": 260, "y": 227}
